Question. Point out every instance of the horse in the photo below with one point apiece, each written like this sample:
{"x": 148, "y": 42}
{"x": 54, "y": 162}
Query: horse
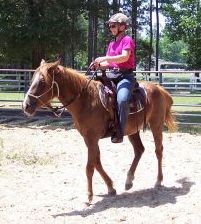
{"x": 80, "y": 96}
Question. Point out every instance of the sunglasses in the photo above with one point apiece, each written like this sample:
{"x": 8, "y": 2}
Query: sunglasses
{"x": 112, "y": 26}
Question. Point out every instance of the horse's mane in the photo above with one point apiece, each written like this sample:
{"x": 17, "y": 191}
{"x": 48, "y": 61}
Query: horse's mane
{"x": 75, "y": 79}
{"x": 77, "y": 76}
{"x": 80, "y": 82}
{"x": 50, "y": 68}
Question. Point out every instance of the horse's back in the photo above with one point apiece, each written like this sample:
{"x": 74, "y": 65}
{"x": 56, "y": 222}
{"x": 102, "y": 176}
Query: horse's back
{"x": 157, "y": 94}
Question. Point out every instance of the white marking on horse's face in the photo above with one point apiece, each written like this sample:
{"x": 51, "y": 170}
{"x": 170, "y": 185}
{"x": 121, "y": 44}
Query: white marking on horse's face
{"x": 29, "y": 104}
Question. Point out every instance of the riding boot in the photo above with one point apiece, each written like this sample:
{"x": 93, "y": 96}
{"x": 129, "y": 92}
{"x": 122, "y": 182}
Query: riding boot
{"x": 122, "y": 117}
{"x": 117, "y": 136}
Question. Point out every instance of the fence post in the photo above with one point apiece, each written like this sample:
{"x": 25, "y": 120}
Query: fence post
{"x": 26, "y": 82}
{"x": 160, "y": 78}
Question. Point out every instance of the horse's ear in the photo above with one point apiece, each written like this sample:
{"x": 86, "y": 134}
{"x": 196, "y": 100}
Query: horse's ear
{"x": 42, "y": 62}
{"x": 53, "y": 65}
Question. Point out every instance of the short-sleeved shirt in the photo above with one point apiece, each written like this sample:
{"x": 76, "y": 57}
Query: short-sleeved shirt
{"x": 115, "y": 48}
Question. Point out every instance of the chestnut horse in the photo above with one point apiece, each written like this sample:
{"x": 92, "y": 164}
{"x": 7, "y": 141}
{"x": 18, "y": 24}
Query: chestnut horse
{"x": 81, "y": 98}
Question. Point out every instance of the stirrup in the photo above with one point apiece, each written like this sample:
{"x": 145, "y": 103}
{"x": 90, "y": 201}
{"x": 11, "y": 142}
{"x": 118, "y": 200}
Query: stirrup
{"x": 117, "y": 138}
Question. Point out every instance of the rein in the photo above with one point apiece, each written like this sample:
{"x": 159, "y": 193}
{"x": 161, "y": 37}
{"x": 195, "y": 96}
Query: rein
{"x": 57, "y": 111}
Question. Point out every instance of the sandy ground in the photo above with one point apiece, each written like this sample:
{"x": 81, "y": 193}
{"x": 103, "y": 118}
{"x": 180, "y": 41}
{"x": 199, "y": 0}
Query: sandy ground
{"x": 42, "y": 180}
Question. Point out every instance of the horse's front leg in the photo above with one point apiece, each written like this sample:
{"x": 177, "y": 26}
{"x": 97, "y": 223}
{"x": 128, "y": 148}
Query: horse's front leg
{"x": 90, "y": 171}
{"x": 106, "y": 178}
{"x": 95, "y": 162}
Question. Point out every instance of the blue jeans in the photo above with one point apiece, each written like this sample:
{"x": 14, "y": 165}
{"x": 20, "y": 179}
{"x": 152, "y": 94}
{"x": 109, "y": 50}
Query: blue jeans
{"x": 124, "y": 91}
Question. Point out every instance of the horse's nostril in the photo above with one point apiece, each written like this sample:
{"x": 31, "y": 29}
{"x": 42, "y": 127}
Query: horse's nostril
{"x": 25, "y": 106}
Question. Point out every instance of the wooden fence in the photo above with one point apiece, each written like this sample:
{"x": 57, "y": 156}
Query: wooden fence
{"x": 15, "y": 80}
{"x": 178, "y": 83}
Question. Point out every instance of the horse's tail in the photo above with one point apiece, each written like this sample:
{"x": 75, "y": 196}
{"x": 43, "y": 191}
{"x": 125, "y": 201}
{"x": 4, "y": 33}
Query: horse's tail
{"x": 169, "y": 116}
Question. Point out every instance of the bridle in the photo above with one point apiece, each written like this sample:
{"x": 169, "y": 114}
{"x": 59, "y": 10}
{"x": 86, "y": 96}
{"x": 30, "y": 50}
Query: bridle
{"x": 51, "y": 88}
{"x": 46, "y": 92}
{"x": 57, "y": 111}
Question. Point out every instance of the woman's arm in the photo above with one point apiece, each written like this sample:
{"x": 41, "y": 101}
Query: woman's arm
{"x": 106, "y": 60}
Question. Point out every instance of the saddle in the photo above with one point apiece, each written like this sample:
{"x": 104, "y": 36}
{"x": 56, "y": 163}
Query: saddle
{"x": 108, "y": 98}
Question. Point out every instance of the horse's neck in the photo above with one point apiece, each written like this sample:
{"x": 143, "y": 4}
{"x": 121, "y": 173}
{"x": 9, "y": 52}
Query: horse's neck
{"x": 72, "y": 89}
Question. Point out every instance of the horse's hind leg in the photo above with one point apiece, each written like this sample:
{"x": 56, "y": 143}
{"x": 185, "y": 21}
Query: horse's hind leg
{"x": 158, "y": 137}
{"x": 138, "y": 149}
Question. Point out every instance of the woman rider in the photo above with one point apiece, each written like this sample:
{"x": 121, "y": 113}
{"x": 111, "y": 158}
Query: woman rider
{"x": 120, "y": 60}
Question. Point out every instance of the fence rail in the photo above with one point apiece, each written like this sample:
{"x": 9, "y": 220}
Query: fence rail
{"x": 178, "y": 83}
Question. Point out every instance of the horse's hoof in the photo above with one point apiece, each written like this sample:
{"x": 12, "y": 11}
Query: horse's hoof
{"x": 112, "y": 193}
{"x": 90, "y": 198}
{"x": 158, "y": 184}
{"x": 128, "y": 186}
{"x": 87, "y": 204}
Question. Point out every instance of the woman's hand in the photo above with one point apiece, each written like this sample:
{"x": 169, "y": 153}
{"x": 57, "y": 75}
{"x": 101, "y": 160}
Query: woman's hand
{"x": 101, "y": 62}
{"x": 97, "y": 63}
{"x": 93, "y": 66}
{"x": 100, "y": 59}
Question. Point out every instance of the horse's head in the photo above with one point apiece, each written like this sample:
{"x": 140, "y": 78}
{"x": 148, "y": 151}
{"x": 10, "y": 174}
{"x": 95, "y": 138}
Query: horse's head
{"x": 43, "y": 87}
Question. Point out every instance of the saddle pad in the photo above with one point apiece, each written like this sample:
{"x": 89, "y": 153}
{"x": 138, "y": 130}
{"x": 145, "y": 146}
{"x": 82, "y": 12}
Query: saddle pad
{"x": 104, "y": 94}
{"x": 137, "y": 101}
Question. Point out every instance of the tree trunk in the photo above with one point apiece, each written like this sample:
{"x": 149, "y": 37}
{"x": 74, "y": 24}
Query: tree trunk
{"x": 38, "y": 53}
{"x": 106, "y": 30}
{"x": 157, "y": 35}
{"x": 115, "y": 6}
{"x": 72, "y": 40}
{"x": 90, "y": 35}
{"x": 151, "y": 36}
{"x": 134, "y": 26}
{"x": 92, "y": 32}
{"x": 95, "y": 25}
{"x": 36, "y": 11}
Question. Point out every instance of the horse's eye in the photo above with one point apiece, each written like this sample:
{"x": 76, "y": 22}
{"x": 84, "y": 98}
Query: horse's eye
{"x": 41, "y": 83}
{"x": 41, "y": 80}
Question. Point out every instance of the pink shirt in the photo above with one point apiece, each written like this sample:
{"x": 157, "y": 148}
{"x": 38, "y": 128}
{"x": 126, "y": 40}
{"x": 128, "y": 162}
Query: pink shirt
{"x": 116, "y": 47}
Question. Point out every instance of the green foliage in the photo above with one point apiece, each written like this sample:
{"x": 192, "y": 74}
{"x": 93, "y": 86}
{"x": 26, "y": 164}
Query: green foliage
{"x": 33, "y": 29}
{"x": 30, "y": 28}
{"x": 143, "y": 50}
{"x": 175, "y": 51}
{"x": 183, "y": 23}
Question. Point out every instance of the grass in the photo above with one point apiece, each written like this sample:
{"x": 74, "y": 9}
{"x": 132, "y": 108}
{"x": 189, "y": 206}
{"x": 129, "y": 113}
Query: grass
{"x": 191, "y": 99}
{"x": 191, "y": 112}
{"x": 12, "y": 96}
{"x": 191, "y": 129}
{"x": 27, "y": 158}
{"x": 187, "y": 100}
{"x": 8, "y": 99}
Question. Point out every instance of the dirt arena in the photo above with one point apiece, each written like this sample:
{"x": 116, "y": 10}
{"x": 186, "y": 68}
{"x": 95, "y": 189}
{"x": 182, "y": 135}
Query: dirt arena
{"x": 42, "y": 180}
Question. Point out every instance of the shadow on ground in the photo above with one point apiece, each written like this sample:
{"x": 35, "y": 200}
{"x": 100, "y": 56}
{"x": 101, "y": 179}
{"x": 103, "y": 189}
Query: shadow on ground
{"x": 43, "y": 119}
{"x": 152, "y": 197}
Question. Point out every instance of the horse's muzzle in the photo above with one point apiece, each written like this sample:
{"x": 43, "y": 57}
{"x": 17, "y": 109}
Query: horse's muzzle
{"x": 28, "y": 107}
